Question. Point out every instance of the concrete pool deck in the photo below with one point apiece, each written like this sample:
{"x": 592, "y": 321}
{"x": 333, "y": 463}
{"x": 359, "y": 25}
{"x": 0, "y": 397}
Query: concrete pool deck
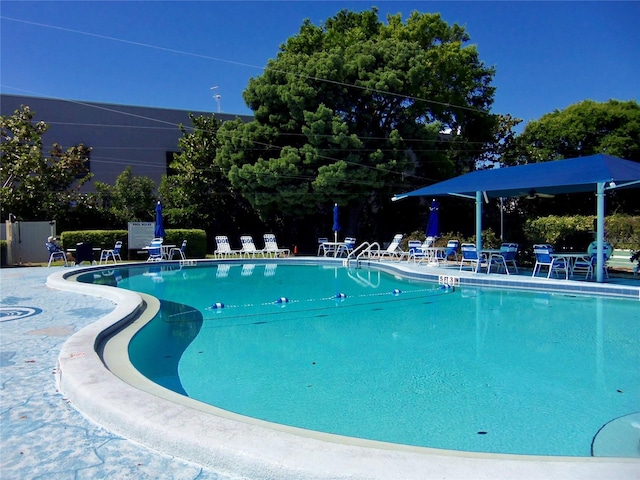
{"x": 44, "y": 436}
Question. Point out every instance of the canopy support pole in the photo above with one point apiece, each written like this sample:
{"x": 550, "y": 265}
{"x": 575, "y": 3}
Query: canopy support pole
{"x": 479, "y": 222}
{"x": 600, "y": 233}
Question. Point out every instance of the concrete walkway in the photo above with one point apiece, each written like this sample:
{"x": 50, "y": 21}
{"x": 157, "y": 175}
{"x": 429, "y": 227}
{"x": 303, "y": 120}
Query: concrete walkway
{"x": 41, "y": 435}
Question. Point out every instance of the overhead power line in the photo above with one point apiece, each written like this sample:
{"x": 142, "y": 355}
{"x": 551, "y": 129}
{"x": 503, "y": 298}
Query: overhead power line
{"x": 242, "y": 64}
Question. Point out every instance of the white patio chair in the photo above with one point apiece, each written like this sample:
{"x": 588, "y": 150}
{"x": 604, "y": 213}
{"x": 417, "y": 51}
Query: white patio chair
{"x": 114, "y": 253}
{"x": 179, "y": 251}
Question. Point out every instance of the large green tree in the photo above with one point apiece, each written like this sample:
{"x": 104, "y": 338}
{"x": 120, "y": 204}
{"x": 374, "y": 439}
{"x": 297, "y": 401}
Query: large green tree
{"x": 36, "y": 186}
{"x": 582, "y": 129}
{"x": 353, "y": 111}
{"x": 585, "y": 128}
{"x": 131, "y": 199}
{"x": 197, "y": 194}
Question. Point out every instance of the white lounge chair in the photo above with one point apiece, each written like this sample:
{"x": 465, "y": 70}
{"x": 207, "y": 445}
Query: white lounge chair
{"x": 271, "y": 247}
{"x": 223, "y": 248}
{"x": 249, "y": 248}
{"x": 393, "y": 251}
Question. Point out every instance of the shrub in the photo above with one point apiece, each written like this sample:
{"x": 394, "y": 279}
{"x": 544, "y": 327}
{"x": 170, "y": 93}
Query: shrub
{"x": 576, "y": 232}
{"x": 196, "y": 240}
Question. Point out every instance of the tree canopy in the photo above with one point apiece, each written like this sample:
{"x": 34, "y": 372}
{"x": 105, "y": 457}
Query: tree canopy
{"x": 582, "y": 129}
{"x": 354, "y": 110}
{"x": 197, "y": 194}
{"x": 36, "y": 186}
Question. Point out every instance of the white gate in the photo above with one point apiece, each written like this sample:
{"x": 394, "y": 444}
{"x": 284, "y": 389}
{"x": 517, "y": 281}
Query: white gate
{"x": 26, "y": 241}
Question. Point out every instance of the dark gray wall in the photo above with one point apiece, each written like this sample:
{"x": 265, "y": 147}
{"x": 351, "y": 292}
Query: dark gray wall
{"x": 119, "y": 135}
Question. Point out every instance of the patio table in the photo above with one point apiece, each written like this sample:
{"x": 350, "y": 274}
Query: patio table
{"x": 334, "y": 247}
{"x": 570, "y": 258}
{"x": 164, "y": 249}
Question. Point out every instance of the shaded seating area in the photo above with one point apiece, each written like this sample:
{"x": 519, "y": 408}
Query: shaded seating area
{"x": 598, "y": 174}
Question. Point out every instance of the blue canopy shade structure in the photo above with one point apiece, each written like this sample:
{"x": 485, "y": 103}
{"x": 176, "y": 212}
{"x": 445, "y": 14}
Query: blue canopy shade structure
{"x": 595, "y": 173}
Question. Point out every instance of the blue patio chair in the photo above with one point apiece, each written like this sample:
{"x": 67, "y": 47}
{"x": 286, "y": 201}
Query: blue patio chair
{"x": 55, "y": 252}
{"x": 589, "y": 263}
{"x": 114, "y": 253}
{"x": 179, "y": 251}
{"x": 350, "y": 244}
{"x": 413, "y": 246}
{"x": 155, "y": 250}
{"x": 546, "y": 258}
{"x": 422, "y": 251}
{"x": 507, "y": 255}
{"x": 470, "y": 255}
{"x": 451, "y": 250}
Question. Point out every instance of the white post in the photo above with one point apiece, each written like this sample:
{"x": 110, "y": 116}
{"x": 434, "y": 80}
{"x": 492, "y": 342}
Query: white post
{"x": 479, "y": 221}
{"x": 600, "y": 233}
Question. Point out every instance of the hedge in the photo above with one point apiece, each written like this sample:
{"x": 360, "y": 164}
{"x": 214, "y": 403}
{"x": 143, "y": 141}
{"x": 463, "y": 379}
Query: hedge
{"x": 196, "y": 240}
{"x": 621, "y": 231}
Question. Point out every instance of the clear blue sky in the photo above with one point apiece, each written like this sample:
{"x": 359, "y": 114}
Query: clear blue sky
{"x": 548, "y": 55}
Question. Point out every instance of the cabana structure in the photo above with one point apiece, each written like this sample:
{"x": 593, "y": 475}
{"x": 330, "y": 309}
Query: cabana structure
{"x": 595, "y": 173}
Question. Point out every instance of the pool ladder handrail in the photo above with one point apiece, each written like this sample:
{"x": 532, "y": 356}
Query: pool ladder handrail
{"x": 362, "y": 250}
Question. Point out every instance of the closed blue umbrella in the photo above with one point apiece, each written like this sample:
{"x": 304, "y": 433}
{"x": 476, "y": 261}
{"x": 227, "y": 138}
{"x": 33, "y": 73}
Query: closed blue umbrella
{"x": 159, "y": 231}
{"x": 433, "y": 225}
{"x": 336, "y": 221}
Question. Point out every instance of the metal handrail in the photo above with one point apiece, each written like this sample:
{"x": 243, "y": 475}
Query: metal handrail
{"x": 361, "y": 250}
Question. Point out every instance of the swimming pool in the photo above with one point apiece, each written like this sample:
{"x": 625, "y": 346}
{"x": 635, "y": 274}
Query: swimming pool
{"x": 393, "y": 359}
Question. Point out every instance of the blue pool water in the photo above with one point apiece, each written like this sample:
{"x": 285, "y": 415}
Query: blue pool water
{"x": 394, "y": 360}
